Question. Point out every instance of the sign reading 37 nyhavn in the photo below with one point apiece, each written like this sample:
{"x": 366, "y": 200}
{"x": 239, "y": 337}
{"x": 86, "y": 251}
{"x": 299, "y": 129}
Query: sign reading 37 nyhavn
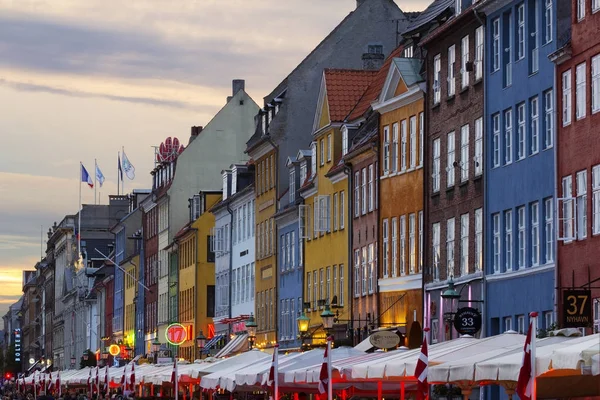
{"x": 577, "y": 308}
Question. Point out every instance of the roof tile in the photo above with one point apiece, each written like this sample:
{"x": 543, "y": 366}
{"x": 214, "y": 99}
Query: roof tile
{"x": 344, "y": 88}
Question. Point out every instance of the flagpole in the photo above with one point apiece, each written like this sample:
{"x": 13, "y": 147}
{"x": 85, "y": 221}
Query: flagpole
{"x": 123, "y": 182}
{"x": 118, "y": 172}
{"x": 329, "y": 372}
{"x": 79, "y": 213}
{"x": 534, "y": 316}
{"x": 176, "y": 377}
{"x": 95, "y": 179}
{"x": 276, "y": 374}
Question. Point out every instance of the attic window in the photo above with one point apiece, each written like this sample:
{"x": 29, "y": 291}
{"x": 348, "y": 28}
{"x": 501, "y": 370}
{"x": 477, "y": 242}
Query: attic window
{"x": 408, "y": 52}
{"x": 241, "y": 102}
{"x": 344, "y": 140}
{"x": 458, "y": 7}
{"x": 375, "y": 49}
{"x": 264, "y": 124}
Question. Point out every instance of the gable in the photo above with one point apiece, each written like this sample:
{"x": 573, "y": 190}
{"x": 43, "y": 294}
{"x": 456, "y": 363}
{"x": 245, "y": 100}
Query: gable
{"x": 322, "y": 112}
{"x": 402, "y": 74}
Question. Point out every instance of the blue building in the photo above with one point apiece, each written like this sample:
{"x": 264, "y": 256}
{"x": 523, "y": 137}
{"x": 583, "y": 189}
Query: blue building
{"x": 140, "y": 345}
{"x": 290, "y": 271}
{"x": 519, "y": 201}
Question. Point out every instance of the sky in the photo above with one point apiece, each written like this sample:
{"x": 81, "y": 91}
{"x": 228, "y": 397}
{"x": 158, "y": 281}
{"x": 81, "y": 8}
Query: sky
{"x": 79, "y": 79}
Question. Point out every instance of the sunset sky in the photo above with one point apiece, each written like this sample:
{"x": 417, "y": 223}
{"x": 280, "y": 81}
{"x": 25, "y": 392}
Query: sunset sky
{"x": 81, "y": 78}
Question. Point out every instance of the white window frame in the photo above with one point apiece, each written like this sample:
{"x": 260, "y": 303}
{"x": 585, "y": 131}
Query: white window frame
{"x": 394, "y": 247}
{"x": 478, "y": 158}
{"x": 420, "y": 263}
{"x": 595, "y": 6}
{"x": 344, "y": 140}
{"x": 548, "y": 118}
{"x": 478, "y": 239}
{"x": 395, "y": 147}
{"x": 580, "y": 10}
{"x": 496, "y": 45}
{"x": 479, "y": 46}
{"x": 464, "y": 244}
{"x": 581, "y": 207}
{"x": 464, "y": 153}
{"x": 521, "y": 31}
{"x": 436, "y": 166}
{"x": 521, "y": 238}
{"x": 371, "y": 190}
{"x": 341, "y": 291}
{"x": 385, "y": 248}
{"x": 335, "y": 212}
{"x": 371, "y": 268}
{"x": 435, "y": 248}
{"x": 412, "y": 251}
{"x": 386, "y": 150}
{"x": 413, "y": 141}
{"x": 535, "y": 124}
{"x": 535, "y": 233}
{"x": 521, "y": 324}
{"x": 567, "y": 208}
{"x": 421, "y": 137}
{"x": 450, "y": 245}
{"x": 508, "y": 240}
{"x": 508, "y": 124}
{"x": 507, "y": 324}
{"x": 363, "y": 188}
{"x": 324, "y": 213}
{"x": 321, "y": 152}
{"x": 342, "y": 210}
{"x": 464, "y": 74}
{"x": 329, "y": 148}
{"x": 292, "y": 185}
{"x": 596, "y": 199}
{"x": 364, "y": 273}
{"x": 356, "y": 273}
{"x": 496, "y": 140}
{"x": 450, "y": 158}
{"x": 521, "y": 136}
{"x": 303, "y": 222}
{"x": 566, "y": 98}
{"x": 451, "y": 79}
{"x": 580, "y": 91}
{"x": 549, "y": 230}
{"x": 356, "y": 194}
{"x": 548, "y": 26}
{"x": 403, "y": 146}
{"x": 402, "y": 227}
{"x": 437, "y": 84}
{"x": 595, "y": 85}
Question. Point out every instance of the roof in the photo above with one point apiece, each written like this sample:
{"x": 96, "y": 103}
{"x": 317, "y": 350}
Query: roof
{"x": 451, "y": 23}
{"x": 344, "y": 88}
{"x": 374, "y": 89}
{"x": 409, "y": 69}
{"x": 431, "y": 13}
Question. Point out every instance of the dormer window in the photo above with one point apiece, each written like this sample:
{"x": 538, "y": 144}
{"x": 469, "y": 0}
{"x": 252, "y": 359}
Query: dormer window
{"x": 292, "y": 185}
{"x": 302, "y": 172}
{"x": 375, "y": 49}
{"x": 195, "y": 207}
{"x": 270, "y": 115}
{"x": 408, "y": 52}
{"x": 344, "y": 140}
{"x": 276, "y": 108}
{"x": 234, "y": 181}
{"x": 225, "y": 186}
{"x": 264, "y": 124}
{"x": 313, "y": 163}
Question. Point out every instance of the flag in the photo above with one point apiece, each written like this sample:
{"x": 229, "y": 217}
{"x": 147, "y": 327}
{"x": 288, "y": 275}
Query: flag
{"x": 106, "y": 380}
{"x": 89, "y": 382}
{"x": 123, "y": 380}
{"x": 128, "y": 168}
{"x": 99, "y": 176}
{"x": 173, "y": 374}
{"x": 324, "y": 374}
{"x": 50, "y": 381}
{"x": 271, "y": 382}
{"x": 58, "y": 388}
{"x": 525, "y": 381}
{"x": 421, "y": 369}
{"x": 97, "y": 378}
{"x": 85, "y": 177}
{"x": 120, "y": 169}
{"x": 132, "y": 376}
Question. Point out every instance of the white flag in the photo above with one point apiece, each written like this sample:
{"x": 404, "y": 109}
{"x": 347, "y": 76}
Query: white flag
{"x": 128, "y": 168}
{"x": 99, "y": 176}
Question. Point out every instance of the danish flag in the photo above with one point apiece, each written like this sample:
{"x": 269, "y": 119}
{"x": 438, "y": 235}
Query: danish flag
{"x": 422, "y": 368}
{"x": 324, "y": 378}
{"x": 526, "y": 378}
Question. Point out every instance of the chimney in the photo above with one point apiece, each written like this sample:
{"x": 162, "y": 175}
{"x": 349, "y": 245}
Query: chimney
{"x": 372, "y": 61}
{"x": 195, "y": 132}
{"x": 237, "y": 85}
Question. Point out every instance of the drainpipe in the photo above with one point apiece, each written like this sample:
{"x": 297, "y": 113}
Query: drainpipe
{"x": 348, "y": 171}
{"x": 555, "y": 195}
{"x": 375, "y": 149}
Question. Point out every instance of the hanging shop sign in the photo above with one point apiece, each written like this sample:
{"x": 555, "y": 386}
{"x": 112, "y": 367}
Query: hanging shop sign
{"x": 17, "y": 345}
{"x": 467, "y": 321}
{"x": 577, "y": 308}
{"x": 176, "y": 334}
{"x": 114, "y": 350}
{"x": 384, "y": 339}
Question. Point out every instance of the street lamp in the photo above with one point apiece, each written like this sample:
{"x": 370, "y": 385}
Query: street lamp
{"x": 450, "y": 297}
{"x": 200, "y": 342}
{"x": 303, "y": 323}
{"x": 73, "y": 361}
{"x": 251, "y": 328}
{"x": 327, "y": 316}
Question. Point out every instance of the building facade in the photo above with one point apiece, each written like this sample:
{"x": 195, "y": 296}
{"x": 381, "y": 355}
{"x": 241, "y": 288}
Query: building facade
{"x": 454, "y": 142}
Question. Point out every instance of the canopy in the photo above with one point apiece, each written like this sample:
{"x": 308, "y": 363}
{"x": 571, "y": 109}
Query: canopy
{"x": 230, "y": 365}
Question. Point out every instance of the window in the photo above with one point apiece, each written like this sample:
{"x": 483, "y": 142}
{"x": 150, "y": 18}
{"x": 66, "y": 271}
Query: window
{"x": 394, "y": 247}
{"x": 478, "y": 239}
{"x": 450, "y": 160}
{"x": 356, "y": 273}
{"x": 395, "y": 147}
{"x": 596, "y": 200}
{"x": 344, "y": 140}
{"x": 451, "y": 79}
{"x": 464, "y": 244}
{"x": 508, "y": 136}
{"x": 549, "y": 229}
{"x": 450, "y": 246}
{"x": 566, "y": 87}
{"x": 313, "y": 160}
{"x": 568, "y": 233}
{"x": 329, "y": 148}
{"x": 413, "y": 141}
{"x": 386, "y": 150}
{"x": 434, "y": 330}
{"x": 436, "y": 166}
{"x": 356, "y": 194}
{"x": 547, "y": 21}
{"x": 581, "y": 206}
{"x": 315, "y": 290}
{"x": 535, "y": 135}
{"x": 341, "y": 291}
{"x": 521, "y": 131}
{"x": 464, "y": 74}
{"x": 364, "y": 273}
{"x": 508, "y": 241}
{"x": 496, "y": 45}
{"x": 479, "y": 53}
{"x": 535, "y": 234}
{"x": 371, "y": 187}
{"x": 580, "y": 89}
{"x": 292, "y": 185}
{"x": 412, "y": 258}
{"x": 496, "y": 139}
{"x": 322, "y": 152}
{"x": 283, "y": 253}
{"x": 521, "y": 31}
{"x": 548, "y": 118}
{"x": 507, "y": 39}
{"x": 457, "y": 6}
{"x": 403, "y": 245}
{"x": 507, "y": 324}
{"x": 403, "y": 149}
{"x": 478, "y": 146}
{"x": 596, "y": 82}
{"x": 421, "y": 137}
{"x": 375, "y": 49}
{"x": 521, "y": 324}
{"x": 364, "y": 191}
{"x": 420, "y": 266}
{"x": 437, "y": 89}
{"x": 595, "y": 5}
{"x": 384, "y": 250}
{"x": 335, "y": 212}
{"x": 464, "y": 153}
{"x": 342, "y": 209}
{"x": 371, "y": 268}
{"x": 435, "y": 247}
{"x": 580, "y": 10}
{"x": 324, "y": 213}
{"x": 328, "y": 285}
{"x": 521, "y": 237}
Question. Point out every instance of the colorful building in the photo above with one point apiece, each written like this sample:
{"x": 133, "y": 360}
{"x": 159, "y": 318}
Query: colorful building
{"x": 454, "y": 173}
{"x": 130, "y": 266}
{"x": 578, "y": 160}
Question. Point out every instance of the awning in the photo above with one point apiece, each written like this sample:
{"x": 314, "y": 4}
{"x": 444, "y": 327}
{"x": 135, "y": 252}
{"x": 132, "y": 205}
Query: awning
{"x": 234, "y": 346}
{"x": 210, "y": 344}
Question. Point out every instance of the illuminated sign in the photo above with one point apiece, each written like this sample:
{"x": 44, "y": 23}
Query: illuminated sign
{"x": 18, "y": 345}
{"x": 176, "y": 334}
{"x": 211, "y": 331}
{"x": 577, "y": 308}
{"x": 114, "y": 350}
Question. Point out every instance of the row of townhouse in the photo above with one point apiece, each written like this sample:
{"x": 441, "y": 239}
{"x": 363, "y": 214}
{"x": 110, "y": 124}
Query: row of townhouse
{"x": 408, "y": 154}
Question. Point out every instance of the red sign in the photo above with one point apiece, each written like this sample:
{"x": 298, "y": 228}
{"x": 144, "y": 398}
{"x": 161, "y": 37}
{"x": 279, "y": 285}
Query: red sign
{"x": 176, "y": 334}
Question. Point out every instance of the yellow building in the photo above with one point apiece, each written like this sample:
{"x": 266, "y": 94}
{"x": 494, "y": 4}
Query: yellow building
{"x": 324, "y": 213}
{"x": 400, "y": 105}
{"x": 131, "y": 288}
{"x": 196, "y": 272}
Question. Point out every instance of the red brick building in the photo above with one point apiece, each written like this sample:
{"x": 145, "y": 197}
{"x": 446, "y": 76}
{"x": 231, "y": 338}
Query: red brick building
{"x": 578, "y": 157}
{"x": 150, "y": 226}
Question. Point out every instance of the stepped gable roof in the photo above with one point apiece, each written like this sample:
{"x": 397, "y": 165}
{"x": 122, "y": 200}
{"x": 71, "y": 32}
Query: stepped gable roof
{"x": 431, "y": 13}
{"x": 374, "y": 89}
{"x": 344, "y": 88}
